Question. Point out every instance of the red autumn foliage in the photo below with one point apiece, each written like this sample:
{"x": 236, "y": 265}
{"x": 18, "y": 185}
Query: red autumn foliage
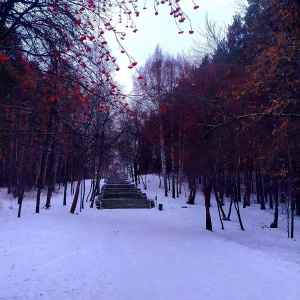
{"x": 4, "y": 58}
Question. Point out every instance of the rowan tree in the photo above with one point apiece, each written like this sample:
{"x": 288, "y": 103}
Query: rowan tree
{"x": 58, "y": 54}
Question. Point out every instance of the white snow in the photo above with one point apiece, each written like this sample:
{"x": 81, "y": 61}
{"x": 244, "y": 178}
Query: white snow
{"x": 144, "y": 253}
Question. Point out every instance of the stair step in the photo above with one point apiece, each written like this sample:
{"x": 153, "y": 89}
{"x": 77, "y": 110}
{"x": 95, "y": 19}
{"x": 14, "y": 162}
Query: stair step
{"x": 120, "y": 193}
{"x": 124, "y": 203}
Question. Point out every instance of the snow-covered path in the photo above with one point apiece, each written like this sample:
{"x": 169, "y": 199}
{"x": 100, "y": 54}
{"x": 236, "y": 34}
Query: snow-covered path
{"x": 144, "y": 254}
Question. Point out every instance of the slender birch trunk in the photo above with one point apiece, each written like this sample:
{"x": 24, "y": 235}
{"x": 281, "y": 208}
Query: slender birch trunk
{"x": 163, "y": 158}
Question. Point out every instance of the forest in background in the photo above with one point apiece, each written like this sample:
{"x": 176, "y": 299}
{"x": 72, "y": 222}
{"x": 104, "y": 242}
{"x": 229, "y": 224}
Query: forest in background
{"x": 230, "y": 121}
{"x": 228, "y": 118}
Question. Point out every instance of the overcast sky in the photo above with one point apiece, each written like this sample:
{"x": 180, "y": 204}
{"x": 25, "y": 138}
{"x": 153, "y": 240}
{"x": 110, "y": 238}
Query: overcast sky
{"x": 162, "y": 30}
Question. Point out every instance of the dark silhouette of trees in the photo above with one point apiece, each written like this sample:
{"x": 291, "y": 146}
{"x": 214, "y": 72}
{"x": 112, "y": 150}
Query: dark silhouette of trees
{"x": 237, "y": 112}
{"x": 228, "y": 122}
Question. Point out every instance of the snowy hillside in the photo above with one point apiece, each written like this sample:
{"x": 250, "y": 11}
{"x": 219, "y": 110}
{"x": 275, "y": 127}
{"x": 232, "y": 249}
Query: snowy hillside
{"x": 144, "y": 253}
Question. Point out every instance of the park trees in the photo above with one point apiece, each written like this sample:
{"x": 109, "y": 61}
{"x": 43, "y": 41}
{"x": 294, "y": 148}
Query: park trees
{"x": 231, "y": 119}
{"x": 239, "y": 110}
{"x": 272, "y": 78}
{"x": 58, "y": 96}
{"x": 161, "y": 73}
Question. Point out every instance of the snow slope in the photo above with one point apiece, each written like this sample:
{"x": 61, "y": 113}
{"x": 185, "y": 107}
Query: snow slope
{"x": 144, "y": 254}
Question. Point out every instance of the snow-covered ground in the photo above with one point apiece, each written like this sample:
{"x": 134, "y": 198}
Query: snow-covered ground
{"x": 144, "y": 253}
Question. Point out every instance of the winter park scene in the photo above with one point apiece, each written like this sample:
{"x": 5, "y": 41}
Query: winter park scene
{"x": 149, "y": 149}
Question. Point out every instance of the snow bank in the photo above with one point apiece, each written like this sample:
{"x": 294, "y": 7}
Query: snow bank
{"x": 144, "y": 253}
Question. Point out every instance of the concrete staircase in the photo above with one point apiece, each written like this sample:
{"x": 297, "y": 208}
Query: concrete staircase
{"x": 120, "y": 193}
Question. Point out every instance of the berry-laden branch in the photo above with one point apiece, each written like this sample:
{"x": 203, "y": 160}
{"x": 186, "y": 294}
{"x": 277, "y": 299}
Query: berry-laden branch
{"x": 66, "y": 29}
{"x": 69, "y": 40}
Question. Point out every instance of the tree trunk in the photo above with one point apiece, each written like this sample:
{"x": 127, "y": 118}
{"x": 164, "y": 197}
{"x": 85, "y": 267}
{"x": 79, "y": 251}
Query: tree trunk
{"x": 230, "y": 208}
{"x": 49, "y": 194}
{"x": 220, "y": 208}
{"x": 38, "y": 200}
{"x": 20, "y": 199}
{"x": 163, "y": 158}
{"x": 76, "y": 196}
{"x": 180, "y": 173}
{"x": 276, "y": 199}
{"x": 42, "y": 171}
{"x": 50, "y": 176}
{"x": 227, "y": 185}
{"x": 65, "y": 181}
{"x": 94, "y": 191}
{"x": 207, "y": 188}
{"x": 173, "y": 186}
{"x": 135, "y": 171}
{"x": 98, "y": 176}
{"x": 82, "y": 194}
{"x": 271, "y": 196}
{"x": 298, "y": 204}
{"x": 177, "y": 186}
{"x": 292, "y": 218}
{"x": 192, "y": 186}
{"x": 247, "y": 194}
{"x": 221, "y": 187}
{"x": 258, "y": 200}
{"x": 237, "y": 208}
{"x": 65, "y": 193}
{"x": 239, "y": 199}
{"x": 260, "y": 191}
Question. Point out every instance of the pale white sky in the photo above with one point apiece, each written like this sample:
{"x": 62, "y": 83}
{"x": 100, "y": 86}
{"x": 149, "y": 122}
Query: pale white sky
{"x": 162, "y": 30}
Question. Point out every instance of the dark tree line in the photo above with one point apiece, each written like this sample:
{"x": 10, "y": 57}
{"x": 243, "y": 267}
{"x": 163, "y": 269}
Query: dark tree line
{"x": 231, "y": 119}
{"x": 229, "y": 122}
